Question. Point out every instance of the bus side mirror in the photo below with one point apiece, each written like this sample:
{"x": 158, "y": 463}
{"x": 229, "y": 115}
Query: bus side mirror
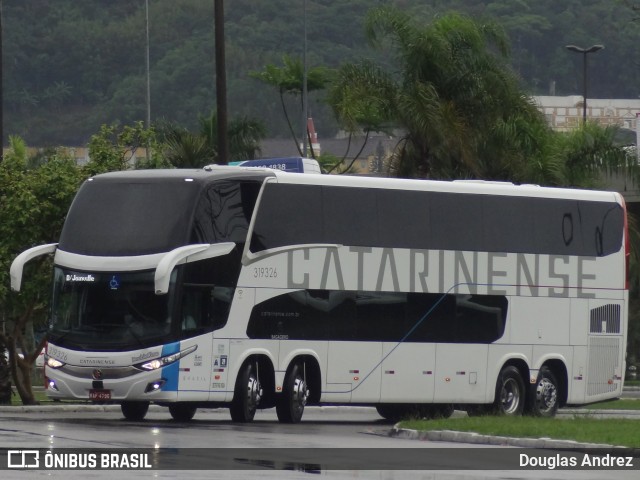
{"x": 186, "y": 254}
{"x": 17, "y": 266}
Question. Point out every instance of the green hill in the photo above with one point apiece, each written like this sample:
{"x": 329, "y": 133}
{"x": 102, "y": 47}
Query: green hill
{"x": 71, "y": 66}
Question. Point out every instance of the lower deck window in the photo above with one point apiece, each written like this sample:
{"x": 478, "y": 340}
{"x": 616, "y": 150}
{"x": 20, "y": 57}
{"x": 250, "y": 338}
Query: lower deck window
{"x": 380, "y": 316}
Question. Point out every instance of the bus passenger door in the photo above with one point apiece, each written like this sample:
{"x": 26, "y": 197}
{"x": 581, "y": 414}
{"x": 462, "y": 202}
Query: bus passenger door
{"x": 194, "y": 370}
{"x": 203, "y": 308}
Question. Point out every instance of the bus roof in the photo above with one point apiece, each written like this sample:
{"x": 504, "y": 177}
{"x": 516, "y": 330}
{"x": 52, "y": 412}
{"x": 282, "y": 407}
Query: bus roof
{"x": 205, "y": 175}
{"x": 286, "y": 164}
{"x": 471, "y": 187}
{"x": 215, "y": 172}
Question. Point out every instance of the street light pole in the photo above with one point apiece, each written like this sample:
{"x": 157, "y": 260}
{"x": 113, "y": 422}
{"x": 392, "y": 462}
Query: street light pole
{"x": 584, "y": 52}
{"x": 221, "y": 84}
{"x": 304, "y": 93}
{"x": 148, "y": 74}
{"x": 147, "y": 69}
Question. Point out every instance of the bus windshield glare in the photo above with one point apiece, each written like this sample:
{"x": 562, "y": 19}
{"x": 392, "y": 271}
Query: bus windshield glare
{"x": 107, "y": 309}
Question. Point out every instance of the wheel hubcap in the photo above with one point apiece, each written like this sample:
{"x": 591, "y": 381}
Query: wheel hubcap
{"x": 510, "y": 396}
{"x": 254, "y": 393}
{"x": 300, "y": 393}
{"x": 546, "y": 394}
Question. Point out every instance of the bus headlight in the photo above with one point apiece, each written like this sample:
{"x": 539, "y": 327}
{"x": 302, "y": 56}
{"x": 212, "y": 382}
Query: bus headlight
{"x": 166, "y": 360}
{"x": 53, "y": 363}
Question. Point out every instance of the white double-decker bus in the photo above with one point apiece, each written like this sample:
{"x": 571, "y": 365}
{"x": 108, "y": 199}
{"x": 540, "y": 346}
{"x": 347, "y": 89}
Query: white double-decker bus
{"x": 253, "y": 288}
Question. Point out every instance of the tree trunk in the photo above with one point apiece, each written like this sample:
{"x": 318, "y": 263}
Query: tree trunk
{"x": 22, "y": 377}
{"x": 5, "y": 376}
{"x": 20, "y": 368}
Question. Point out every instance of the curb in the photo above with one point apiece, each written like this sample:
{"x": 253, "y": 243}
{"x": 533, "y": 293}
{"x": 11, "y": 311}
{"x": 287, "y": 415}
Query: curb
{"x": 67, "y": 408}
{"x": 477, "y": 438}
{"x": 58, "y": 407}
{"x": 585, "y": 412}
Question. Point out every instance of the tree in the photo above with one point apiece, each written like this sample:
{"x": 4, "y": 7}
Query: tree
{"x": 289, "y": 81}
{"x": 362, "y": 101}
{"x": 115, "y": 148}
{"x": 34, "y": 201}
{"x": 185, "y": 149}
{"x": 244, "y": 135}
{"x": 453, "y": 95}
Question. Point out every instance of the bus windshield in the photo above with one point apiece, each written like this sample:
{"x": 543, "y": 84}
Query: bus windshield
{"x": 108, "y": 311}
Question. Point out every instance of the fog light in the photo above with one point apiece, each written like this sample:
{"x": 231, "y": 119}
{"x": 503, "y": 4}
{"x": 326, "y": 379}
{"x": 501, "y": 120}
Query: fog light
{"x": 155, "y": 386}
{"x": 52, "y": 385}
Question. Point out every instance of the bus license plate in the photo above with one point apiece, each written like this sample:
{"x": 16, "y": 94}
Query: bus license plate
{"x": 99, "y": 394}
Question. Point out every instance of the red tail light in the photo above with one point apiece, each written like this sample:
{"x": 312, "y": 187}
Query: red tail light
{"x": 627, "y": 245}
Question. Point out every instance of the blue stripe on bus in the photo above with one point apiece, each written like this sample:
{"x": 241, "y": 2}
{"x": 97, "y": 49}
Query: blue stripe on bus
{"x": 170, "y": 372}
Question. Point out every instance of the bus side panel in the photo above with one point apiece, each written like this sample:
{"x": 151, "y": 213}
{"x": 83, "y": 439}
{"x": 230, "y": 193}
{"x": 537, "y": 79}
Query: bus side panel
{"x": 236, "y": 349}
{"x": 353, "y": 372}
{"x": 460, "y": 373}
{"x": 539, "y": 320}
{"x": 290, "y": 349}
{"x": 194, "y": 371}
{"x": 220, "y": 364}
{"x": 579, "y": 322}
{"x": 408, "y": 372}
{"x": 606, "y": 349}
{"x": 578, "y": 376}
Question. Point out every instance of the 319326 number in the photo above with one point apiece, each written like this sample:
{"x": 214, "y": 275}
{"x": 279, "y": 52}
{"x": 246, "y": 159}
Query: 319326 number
{"x": 265, "y": 272}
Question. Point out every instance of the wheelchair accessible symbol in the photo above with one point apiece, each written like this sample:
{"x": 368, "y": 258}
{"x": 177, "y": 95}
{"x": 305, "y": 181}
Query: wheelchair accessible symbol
{"x": 114, "y": 283}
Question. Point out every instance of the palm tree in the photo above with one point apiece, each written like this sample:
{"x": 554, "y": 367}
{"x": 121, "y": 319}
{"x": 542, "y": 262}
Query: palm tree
{"x": 185, "y": 149}
{"x": 244, "y": 136}
{"x": 451, "y": 95}
{"x": 289, "y": 81}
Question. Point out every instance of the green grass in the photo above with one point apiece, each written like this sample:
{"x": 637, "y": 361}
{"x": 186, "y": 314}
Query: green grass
{"x": 623, "y": 404}
{"x": 619, "y": 432}
{"x": 42, "y": 398}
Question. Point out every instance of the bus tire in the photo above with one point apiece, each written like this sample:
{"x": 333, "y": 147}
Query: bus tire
{"x": 247, "y": 395}
{"x": 182, "y": 412}
{"x": 134, "y": 411}
{"x": 390, "y": 412}
{"x": 290, "y": 405}
{"x": 441, "y": 410}
{"x": 510, "y": 392}
{"x": 545, "y": 394}
{"x": 478, "y": 410}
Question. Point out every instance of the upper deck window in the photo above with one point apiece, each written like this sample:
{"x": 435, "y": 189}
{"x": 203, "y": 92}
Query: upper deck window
{"x": 121, "y": 218}
{"x": 125, "y": 217}
{"x": 306, "y": 214}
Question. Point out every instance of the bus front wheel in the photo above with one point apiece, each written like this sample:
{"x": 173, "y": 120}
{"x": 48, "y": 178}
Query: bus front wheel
{"x": 544, "y": 394}
{"x": 510, "y": 392}
{"x": 182, "y": 412}
{"x": 391, "y": 412}
{"x": 290, "y": 405}
{"x": 441, "y": 410}
{"x": 247, "y": 395}
{"x": 134, "y": 411}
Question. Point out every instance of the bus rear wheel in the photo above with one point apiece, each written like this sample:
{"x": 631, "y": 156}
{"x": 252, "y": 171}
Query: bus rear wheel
{"x": 247, "y": 395}
{"x": 390, "y": 412}
{"x": 182, "y": 412}
{"x": 290, "y": 405}
{"x": 134, "y": 411}
{"x": 441, "y": 410}
{"x": 510, "y": 392}
{"x": 544, "y": 394}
